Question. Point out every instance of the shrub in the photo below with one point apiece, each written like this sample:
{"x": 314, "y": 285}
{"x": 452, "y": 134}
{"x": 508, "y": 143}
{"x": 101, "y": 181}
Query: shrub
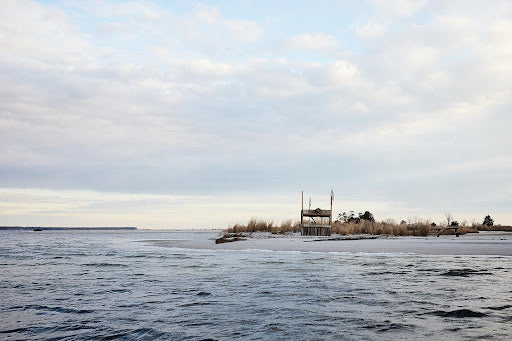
{"x": 488, "y": 221}
{"x": 366, "y": 216}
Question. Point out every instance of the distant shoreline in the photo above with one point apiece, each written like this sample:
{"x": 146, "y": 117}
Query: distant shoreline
{"x": 66, "y": 228}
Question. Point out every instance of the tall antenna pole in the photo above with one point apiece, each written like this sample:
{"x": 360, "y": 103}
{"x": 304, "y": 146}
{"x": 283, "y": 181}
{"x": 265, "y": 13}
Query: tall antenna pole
{"x": 332, "y": 199}
{"x": 302, "y": 208}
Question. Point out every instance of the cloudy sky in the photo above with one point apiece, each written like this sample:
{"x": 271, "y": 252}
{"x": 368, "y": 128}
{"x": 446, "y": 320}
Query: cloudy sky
{"x": 170, "y": 114}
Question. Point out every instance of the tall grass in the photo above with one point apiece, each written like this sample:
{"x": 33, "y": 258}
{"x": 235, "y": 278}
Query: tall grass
{"x": 260, "y": 225}
{"x": 492, "y": 228}
{"x": 417, "y": 228}
{"x": 382, "y": 228}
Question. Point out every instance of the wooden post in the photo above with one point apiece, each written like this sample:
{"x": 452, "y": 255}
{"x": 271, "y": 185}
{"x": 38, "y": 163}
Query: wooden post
{"x": 330, "y": 218}
{"x": 302, "y": 208}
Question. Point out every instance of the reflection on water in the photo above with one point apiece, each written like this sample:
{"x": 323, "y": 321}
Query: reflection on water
{"x": 111, "y": 285}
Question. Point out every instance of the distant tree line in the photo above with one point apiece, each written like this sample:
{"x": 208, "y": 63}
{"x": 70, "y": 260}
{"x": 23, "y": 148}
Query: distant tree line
{"x": 351, "y": 217}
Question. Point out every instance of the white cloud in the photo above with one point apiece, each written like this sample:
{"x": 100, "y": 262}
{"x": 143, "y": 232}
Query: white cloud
{"x": 398, "y": 8}
{"x": 343, "y": 72}
{"x": 314, "y": 41}
{"x": 370, "y": 30}
{"x": 145, "y": 11}
{"x": 238, "y": 30}
{"x": 42, "y": 34}
{"x": 245, "y": 31}
{"x": 205, "y": 103}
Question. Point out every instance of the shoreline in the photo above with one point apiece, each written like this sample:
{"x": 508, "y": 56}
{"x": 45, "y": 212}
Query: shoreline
{"x": 491, "y": 244}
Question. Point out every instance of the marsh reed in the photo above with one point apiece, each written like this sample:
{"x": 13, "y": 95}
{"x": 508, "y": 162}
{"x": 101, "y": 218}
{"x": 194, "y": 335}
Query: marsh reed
{"x": 416, "y": 228}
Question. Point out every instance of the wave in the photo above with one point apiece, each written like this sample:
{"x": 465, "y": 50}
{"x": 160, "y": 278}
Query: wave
{"x": 459, "y": 313}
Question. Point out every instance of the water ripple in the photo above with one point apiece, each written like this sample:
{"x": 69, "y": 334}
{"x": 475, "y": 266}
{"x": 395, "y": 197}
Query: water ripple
{"x": 60, "y": 287}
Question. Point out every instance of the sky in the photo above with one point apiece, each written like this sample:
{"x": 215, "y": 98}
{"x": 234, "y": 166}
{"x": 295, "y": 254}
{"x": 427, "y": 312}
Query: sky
{"x": 202, "y": 114}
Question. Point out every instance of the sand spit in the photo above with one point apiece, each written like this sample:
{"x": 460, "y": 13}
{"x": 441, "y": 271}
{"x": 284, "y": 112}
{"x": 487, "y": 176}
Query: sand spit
{"x": 492, "y": 244}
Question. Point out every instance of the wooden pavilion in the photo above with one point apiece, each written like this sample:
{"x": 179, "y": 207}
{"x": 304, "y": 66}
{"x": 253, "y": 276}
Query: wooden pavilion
{"x": 315, "y": 222}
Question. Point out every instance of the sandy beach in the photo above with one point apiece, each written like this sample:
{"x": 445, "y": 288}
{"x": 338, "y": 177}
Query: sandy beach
{"x": 484, "y": 243}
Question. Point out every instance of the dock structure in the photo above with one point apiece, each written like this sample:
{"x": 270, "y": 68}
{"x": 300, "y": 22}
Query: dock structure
{"x": 441, "y": 230}
{"x": 308, "y": 220}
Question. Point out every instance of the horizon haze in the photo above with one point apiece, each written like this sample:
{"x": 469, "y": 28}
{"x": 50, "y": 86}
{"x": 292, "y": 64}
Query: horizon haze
{"x": 202, "y": 114}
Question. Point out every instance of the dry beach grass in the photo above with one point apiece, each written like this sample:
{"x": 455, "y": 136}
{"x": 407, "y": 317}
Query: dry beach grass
{"x": 417, "y": 228}
{"x": 260, "y": 225}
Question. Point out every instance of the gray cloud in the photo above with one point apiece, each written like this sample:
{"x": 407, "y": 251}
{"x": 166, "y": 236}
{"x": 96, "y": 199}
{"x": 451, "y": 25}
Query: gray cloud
{"x": 421, "y": 117}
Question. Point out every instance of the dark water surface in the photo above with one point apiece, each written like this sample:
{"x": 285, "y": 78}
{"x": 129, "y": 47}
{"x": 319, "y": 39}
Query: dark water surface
{"x": 121, "y": 285}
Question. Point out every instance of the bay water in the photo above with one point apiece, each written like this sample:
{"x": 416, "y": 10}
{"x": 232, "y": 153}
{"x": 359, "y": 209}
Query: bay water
{"x": 138, "y": 285}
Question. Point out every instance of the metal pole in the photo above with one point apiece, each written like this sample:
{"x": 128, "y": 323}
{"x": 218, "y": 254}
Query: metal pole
{"x": 302, "y": 207}
{"x": 332, "y": 197}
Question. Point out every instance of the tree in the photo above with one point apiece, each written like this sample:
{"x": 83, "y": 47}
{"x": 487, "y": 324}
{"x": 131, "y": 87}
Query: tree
{"x": 342, "y": 217}
{"x": 346, "y": 217}
{"x": 354, "y": 220}
{"x": 449, "y": 218}
{"x": 351, "y": 217}
{"x": 488, "y": 221}
{"x": 366, "y": 216}
{"x": 454, "y": 223}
